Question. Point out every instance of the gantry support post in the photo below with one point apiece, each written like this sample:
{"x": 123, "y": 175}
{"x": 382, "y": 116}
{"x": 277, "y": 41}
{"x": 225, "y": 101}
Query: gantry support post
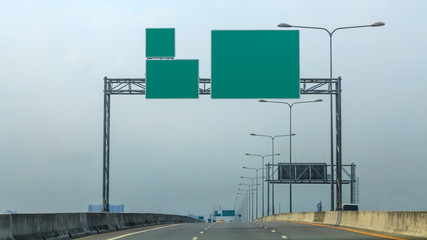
{"x": 106, "y": 153}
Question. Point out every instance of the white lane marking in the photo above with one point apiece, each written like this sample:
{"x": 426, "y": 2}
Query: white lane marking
{"x": 273, "y": 230}
{"x": 194, "y": 238}
{"x": 284, "y": 237}
{"x": 206, "y": 228}
{"x": 265, "y": 227}
{"x": 129, "y": 234}
{"x": 201, "y": 232}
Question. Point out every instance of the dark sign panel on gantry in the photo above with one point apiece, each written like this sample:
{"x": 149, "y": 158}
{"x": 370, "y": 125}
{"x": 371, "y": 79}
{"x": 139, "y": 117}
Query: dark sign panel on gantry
{"x": 304, "y": 172}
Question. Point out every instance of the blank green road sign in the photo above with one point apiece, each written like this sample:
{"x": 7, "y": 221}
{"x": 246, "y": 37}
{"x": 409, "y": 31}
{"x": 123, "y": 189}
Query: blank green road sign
{"x": 159, "y": 42}
{"x": 228, "y": 213}
{"x": 172, "y": 79}
{"x": 255, "y": 64}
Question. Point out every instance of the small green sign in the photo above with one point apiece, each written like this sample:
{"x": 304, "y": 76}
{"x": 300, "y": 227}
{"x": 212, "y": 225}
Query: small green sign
{"x": 255, "y": 64}
{"x": 159, "y": 42}
{"x": 172, "y": 79}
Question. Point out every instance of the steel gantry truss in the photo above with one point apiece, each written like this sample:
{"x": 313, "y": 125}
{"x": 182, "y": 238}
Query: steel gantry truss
{"x": 308, "y": 175}
{"x": 136, "y": 86}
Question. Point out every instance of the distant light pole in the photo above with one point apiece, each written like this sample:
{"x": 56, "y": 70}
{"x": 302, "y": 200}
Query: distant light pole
{"x": 290, "y": 142}
{"x": 248, "y": 197}
{"x": 252, "y": 194}
{"x": 256, "y": 194}
{"x": 263, "y": 177}
{"x": 236, "y": 201}
{"x": 249, "y": 201}
{"x": 272, "y": 161}
{"x": 331, "y": 33}
{"x": 240, "y": 200}
{"x": 243, "y": 208}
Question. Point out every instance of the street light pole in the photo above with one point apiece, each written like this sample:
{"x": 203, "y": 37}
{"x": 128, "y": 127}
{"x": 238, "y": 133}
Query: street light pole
{"x": 263, "y": 177}
{"x": 272, "y": 161}
{"x": 239, "y": 200}
{"x": 268, "y": 188}
{"x": 247, "y": 195}
{"x": 290, "y": 142}
{"x": 249, "y": 200}
{"x": 256, "y": 194}
{"x": 339, "y": 153}
{"x": 252, "y": 194}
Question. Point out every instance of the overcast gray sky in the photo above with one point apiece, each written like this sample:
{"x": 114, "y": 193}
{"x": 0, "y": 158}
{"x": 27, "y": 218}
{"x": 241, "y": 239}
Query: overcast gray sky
{"x": 185, "y": 156}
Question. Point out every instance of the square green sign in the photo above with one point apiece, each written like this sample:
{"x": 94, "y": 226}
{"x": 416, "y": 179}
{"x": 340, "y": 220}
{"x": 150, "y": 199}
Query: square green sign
{"x": 159, "y": 42}
{"x": 255, "y": 64}
{"x": 172, "y": 79}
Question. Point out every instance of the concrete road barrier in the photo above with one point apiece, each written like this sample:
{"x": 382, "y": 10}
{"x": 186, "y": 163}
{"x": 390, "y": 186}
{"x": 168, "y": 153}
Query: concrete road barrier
{"x": 69, "y": 225}
{"x": 4, "y": 226}
{"x": 412, "y": 224}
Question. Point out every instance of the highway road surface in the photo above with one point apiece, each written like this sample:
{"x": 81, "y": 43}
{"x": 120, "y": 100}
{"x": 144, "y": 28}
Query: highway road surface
{"x": 243, "y": 231}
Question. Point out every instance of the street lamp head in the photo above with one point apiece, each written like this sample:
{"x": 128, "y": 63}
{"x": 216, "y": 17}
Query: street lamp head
{"x": 241, "y": 177}
{"x": 253, "y": 134}
{"x": 284, "y": 25}
{"x": 377, "y": 24}
{"x": 262, "y": 100}
{"x": 319, "y": 100}
{"x": 293, "y": 134}
{"x": 244, "y": 167}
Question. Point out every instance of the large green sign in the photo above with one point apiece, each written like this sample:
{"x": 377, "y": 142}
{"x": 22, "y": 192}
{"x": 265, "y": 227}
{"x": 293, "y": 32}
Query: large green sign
{"x": 228, "y": 213}
{"x": 172, "y": 79}
{"x": 159, "y": 42}
{"x": 255, "y": 64}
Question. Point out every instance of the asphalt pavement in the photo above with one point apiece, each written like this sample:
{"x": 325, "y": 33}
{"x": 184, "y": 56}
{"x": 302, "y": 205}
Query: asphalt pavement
{"x": 243, "y": 231}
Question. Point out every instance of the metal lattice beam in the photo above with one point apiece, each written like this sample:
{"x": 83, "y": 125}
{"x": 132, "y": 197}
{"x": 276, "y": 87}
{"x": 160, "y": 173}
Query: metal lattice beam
{"x": 319, "y": 86}
{"x": 126, "y": 86}
{"x": 137, "y": 86}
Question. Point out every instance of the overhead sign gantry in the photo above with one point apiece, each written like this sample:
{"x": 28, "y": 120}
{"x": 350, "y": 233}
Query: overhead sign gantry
{"x": 246, "y": 64}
